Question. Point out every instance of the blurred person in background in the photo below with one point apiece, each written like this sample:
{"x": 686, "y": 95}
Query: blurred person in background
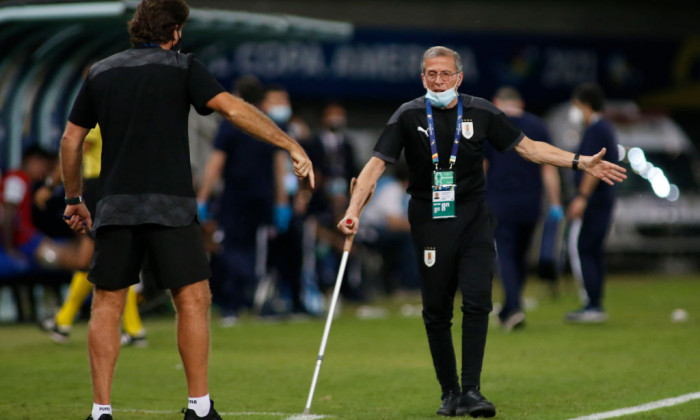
{"x": 443, "y": 134}
{"x": 58, "y": 327}
{"x": 149, "y": 209}
{"x": 253, "y": 198}
{"x": 286, "y": 252}
{"x": 514, "y": 193}
{"x": 330, "y": 148}
{"x": 245, "y": 166}
{"x": 386, "y": 228}
{"x": 25, "y": 248}
{"x": 590, "y": 211}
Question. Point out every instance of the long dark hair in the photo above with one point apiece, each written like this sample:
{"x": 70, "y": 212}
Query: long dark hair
{"x": 155, "y": 20}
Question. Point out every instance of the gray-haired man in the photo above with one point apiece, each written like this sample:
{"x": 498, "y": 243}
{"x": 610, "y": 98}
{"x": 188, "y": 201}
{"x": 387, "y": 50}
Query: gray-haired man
{"x": 443, "y": 135}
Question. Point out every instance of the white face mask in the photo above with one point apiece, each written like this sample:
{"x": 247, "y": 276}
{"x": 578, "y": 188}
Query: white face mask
{"x": 575, "y": 115}
{"x": 280, "y": 113}
{"x": 442, "y": 99}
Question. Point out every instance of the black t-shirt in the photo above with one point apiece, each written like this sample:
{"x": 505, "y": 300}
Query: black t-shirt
{"x": 408, "y": 130}
{"x": 141, "y": 98}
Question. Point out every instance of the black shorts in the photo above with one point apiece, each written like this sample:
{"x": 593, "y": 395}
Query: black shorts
{"x": 176, "y": 255}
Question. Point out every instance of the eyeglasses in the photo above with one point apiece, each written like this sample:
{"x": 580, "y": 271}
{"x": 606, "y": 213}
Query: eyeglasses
{"x": 445, "y": 75}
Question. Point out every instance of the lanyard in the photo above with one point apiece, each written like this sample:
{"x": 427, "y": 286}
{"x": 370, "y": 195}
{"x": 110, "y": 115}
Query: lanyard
{"x": 431, "y": 132}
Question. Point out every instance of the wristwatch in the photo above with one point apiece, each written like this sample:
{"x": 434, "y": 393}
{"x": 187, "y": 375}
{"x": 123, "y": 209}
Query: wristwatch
{"x": 574, "y": 163}
{"x": 73, "y": 200}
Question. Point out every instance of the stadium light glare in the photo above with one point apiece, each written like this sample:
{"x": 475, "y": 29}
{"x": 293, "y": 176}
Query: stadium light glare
{"x": 637, "y": 159}
{"x": 674, "y": 193}
{"x": 621, "y": 152}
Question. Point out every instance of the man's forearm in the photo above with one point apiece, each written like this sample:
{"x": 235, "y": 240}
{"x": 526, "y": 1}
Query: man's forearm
{"x": 71, "y": 162}
{"x": 280, "y": 173}
{"x": 587, "y": 186}
{"x": 540, "y": 152}
{"x": 249, "y": 119}
{"x": 72, "y": 158}
{"x": 366, "y": 182}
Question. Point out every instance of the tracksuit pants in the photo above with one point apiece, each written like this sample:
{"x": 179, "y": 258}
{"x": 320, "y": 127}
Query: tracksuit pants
{"x": 587, "y": 251}
{"x": 512, "y": 241}
{"x": 464, "y": 253}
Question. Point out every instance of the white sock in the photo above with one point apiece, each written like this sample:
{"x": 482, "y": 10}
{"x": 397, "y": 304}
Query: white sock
{"x": 98, "y": 410}
{"x": 200, "y": 405}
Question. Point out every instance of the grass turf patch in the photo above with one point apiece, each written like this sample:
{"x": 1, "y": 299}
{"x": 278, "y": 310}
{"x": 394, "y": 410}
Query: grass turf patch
{"x": 381, "y": 368}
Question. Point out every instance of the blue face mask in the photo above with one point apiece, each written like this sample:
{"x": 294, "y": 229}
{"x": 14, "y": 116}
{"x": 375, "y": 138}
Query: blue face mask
{"x": 441, "y": 99}
{"x": 280, "y": 113}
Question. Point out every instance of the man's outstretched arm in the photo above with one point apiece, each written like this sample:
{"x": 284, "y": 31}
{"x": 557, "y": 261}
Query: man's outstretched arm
{"x": 249, "y": 119}
{"x": 541, "y": 152}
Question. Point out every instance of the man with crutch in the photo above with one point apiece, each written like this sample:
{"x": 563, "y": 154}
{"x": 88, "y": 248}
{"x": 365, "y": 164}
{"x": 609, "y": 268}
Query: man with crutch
{"x": 443, "y": 135}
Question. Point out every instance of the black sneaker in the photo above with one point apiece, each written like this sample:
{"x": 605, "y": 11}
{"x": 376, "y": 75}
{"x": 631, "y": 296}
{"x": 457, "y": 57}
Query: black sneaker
{"x": 102, "y": 417}
{"x": 57, "y": 334}
{"x": 474, "y": 404}
{"x": 449, "y": 404}
{"x": 191, "y": 415}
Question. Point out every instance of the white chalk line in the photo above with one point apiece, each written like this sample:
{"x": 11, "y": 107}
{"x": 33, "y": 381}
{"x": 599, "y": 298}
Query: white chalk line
{"x": 236, "y": 413}
{"x": 668, "y": 402}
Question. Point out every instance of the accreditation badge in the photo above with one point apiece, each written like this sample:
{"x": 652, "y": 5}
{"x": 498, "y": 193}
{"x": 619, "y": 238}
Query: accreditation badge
{"x": 443, "y": 195}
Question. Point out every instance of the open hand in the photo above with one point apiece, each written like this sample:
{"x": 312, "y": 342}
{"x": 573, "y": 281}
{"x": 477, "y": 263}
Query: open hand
{"x": 602, "y": 169}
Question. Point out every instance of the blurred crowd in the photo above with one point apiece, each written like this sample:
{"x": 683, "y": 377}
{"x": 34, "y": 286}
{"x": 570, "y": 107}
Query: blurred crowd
{"x": 273, "y": 245}
{"x": 274, "y": 249}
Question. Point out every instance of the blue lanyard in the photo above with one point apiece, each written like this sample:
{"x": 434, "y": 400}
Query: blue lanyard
{"x": 431, "y": 133}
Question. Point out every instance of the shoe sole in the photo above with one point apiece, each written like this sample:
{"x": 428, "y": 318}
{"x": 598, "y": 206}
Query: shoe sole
{"x": 477, "y": 412}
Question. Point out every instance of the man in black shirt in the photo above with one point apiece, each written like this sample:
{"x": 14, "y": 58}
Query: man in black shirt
{"x": 443, "y": 137}
{"x": 141, "y": 98}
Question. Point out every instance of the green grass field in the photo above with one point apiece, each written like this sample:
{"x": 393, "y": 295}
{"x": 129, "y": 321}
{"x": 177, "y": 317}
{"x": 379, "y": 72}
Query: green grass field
{"x": 381, "y": 368}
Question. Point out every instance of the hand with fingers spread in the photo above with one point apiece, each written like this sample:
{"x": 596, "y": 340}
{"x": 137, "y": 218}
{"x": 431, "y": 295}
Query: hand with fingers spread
{"x": 608, "y": 172}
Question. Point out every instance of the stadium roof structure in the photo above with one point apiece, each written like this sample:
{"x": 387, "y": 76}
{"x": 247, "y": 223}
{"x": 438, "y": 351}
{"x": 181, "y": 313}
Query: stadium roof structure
{"x": 47, "y": 46}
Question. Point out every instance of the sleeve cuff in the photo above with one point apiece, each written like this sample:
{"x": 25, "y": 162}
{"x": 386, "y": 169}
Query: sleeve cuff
{"x": 384, "y": 157}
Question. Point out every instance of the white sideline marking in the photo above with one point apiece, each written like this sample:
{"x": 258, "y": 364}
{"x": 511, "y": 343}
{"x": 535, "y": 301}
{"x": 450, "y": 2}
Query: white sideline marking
{"x": 236, "y": 413}
{"x": 668, "y": 402}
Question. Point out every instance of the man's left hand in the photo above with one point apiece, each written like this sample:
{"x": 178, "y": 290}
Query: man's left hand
{"x": 602, "y": 169}
{"x": 576, "y": 208}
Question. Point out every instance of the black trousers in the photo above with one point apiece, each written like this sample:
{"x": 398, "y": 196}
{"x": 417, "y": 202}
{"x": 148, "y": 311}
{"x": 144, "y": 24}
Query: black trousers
{"x": 464, "y": 254}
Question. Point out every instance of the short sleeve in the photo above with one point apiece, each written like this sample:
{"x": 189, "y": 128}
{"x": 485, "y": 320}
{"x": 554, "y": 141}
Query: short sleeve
{"x": 14, "y": 190}
{"x": 202, "y": 87}
{"x": 84, "y": 113}
{"x": 390, "y": 143}
{"x": 502, "y": 134}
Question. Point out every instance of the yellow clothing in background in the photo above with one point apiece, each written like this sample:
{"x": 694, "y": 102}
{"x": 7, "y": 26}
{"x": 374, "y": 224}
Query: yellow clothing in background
{"x": 92, "y": 153}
